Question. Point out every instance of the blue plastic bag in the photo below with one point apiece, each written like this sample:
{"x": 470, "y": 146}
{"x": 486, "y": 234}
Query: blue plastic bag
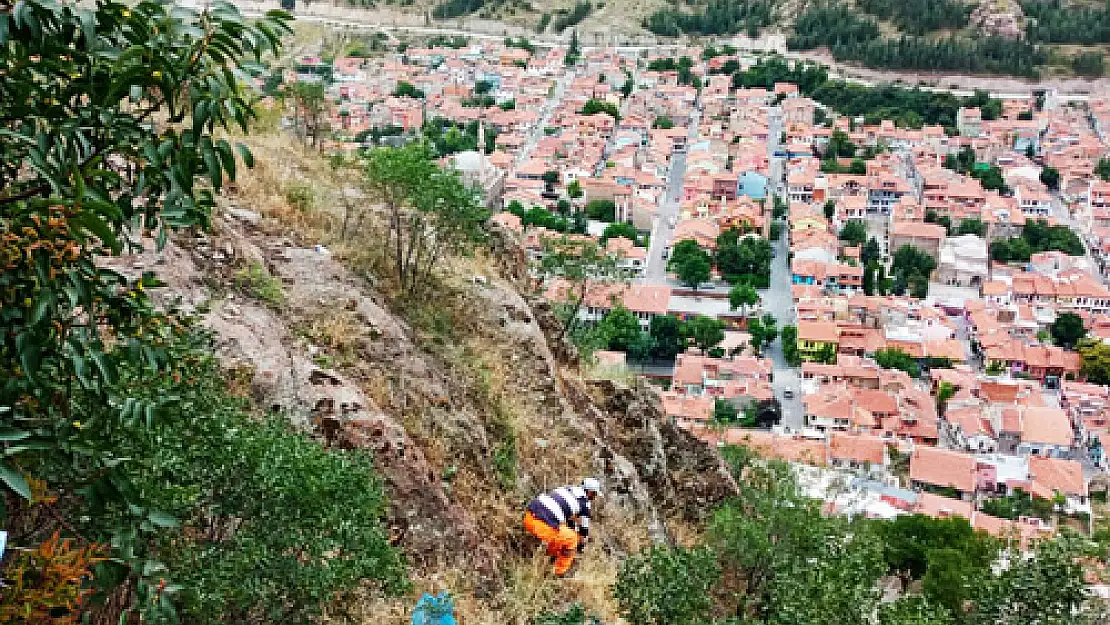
{"x": 437, "y": 610}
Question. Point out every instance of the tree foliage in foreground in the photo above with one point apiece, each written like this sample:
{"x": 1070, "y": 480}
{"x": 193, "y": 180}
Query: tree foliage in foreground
{"x": 772, "y": 557}
{"x": 116, "y": 427}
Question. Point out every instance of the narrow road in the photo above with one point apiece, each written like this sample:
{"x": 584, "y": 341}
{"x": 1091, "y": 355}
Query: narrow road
{"x": 662, "y": 232}
{"x": 778, "y": 301}
{"x": 548, "y": 108}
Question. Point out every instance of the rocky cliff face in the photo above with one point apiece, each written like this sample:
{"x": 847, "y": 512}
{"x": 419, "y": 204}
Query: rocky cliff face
{"x": 468, "y": 413}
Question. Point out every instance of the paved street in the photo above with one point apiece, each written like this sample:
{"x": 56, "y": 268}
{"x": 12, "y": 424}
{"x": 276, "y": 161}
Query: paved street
{"x": 548, "y": 108}
{"x": 778, "y": 301}
{"x": 661, "y": 233}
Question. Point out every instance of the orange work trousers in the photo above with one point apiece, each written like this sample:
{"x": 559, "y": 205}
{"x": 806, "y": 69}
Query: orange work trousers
{"x": 562, "y": 543}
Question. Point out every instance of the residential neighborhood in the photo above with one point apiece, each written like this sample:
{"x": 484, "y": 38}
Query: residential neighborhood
{"x": 917, "y": 309}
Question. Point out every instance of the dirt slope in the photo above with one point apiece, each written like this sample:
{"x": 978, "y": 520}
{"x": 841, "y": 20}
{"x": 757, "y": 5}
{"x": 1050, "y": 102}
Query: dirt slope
{"x": 466, "y": 406}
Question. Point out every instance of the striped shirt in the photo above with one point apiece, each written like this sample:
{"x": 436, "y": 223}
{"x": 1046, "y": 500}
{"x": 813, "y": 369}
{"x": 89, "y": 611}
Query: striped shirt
{"x": 563, "y": 506}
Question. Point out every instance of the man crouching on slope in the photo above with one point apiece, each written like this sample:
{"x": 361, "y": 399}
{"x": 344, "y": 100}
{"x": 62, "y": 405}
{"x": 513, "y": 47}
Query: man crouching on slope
{"x": 561, "y": 519}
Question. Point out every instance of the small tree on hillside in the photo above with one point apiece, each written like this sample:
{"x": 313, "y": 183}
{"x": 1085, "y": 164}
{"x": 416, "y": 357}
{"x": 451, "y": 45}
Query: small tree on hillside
{"x": 580, "y": 264}
{"x": 431, "y": 212}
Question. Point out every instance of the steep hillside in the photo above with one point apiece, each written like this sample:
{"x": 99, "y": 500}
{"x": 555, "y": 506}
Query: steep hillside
{"x": 468, "y": 408}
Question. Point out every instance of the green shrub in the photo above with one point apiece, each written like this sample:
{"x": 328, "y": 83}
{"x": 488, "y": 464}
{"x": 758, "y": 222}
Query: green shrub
{"x": 258, "y": 283}
{"x": 667, "y": 586}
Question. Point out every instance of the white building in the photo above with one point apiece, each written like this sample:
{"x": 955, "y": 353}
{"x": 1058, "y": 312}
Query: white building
{"x": 963, "y": 261}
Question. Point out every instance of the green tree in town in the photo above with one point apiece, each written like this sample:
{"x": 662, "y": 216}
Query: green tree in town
{"x": 743, "y": 260}
{"x": 869, "y": 272}
{"x": 574, "y": 189}
{"x": 668, "y": 336}
{"x": 621, "y": 229}
{"x": 574, "y": 50}
{"x": 911, "y": 268}
{"x": 742, "y": 296}
{"x": 894, "y": 358}
{"x": 1050, "y": 177}
{"x": 871, "y": 252}
{"x": 1067, "y": 330}
{"x": 705, "y": 332}
{"x": 1094, "y": 360}
{"x": 619, "y": 329}
{"x": 724, "y": 413}
{"x": 763, "y": 331}
{"x": 972, "y": 225}
{"x": 854, "y": 233}
{"x": 840, "y": 146}
{"x": 789, "y": 339}
{"x": 690, "y": 262}
{"x": 1102, "y": 169}
{"x": 602, "y": 210}
{"x": 830, "y": 209}
{"x": 593, "y": 107}
{"x": 406, "y": 89}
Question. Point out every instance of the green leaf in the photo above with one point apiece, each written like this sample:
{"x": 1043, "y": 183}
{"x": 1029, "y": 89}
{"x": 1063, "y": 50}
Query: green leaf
{"x": 15, "y": 481}
{"x": 9, "y": 434}
{"x": 245, "y": 153}
{"x": 212, "y": 163}
{"x": 162, "y": 519}
{"x": 227, "y": 157}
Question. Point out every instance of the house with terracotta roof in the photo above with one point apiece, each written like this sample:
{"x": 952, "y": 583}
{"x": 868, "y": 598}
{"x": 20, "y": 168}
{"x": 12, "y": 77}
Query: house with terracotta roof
{"x": 1049, "y": 477}
{"x": 687, "y": 411}
{"x": 816, "y": 338}
{"x": 1044, "y": 431}
{"x": 726, "y": 378}
{"x": 926, "y": 237}
{"x": 947, "y": 470}
{"x": 858, "y": 452}
{"x": 830, "y": 410}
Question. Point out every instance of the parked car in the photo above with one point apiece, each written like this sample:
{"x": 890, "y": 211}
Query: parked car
{"x": 788, "y": 393}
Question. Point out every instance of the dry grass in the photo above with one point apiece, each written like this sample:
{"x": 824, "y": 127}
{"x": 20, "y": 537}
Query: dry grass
{"x": 548, "y": 447}
{"x": 530, "y": 590}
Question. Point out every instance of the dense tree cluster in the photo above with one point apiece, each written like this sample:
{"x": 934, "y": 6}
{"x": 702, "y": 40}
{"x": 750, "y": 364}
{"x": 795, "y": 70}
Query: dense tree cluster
{"x": 716, "y": 17}
{"x": 449, "y": 137}
{"x": 894, "y": 358}
{"x": 906, "y": 107}
{"x": 1051, "y": 21}
{"x": 1037, "y": 236}
{"x": 770, "y": 557}
{"x": 853, "y": 38}
{"x": 683, "y": 66}
{"x": 911, "y": 268}
{"x": 690, "y": 263}
{"x": 593, "y": 107}
{"x": 918, "y": 17}
{"x": 743, "y": 260}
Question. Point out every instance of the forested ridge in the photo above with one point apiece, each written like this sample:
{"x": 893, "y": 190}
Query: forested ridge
{"x": 928, "y": 35}
{"x": 850, "y": 37}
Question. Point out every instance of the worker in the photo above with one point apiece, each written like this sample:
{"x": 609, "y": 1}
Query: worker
{"x": 561, "y": 519}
